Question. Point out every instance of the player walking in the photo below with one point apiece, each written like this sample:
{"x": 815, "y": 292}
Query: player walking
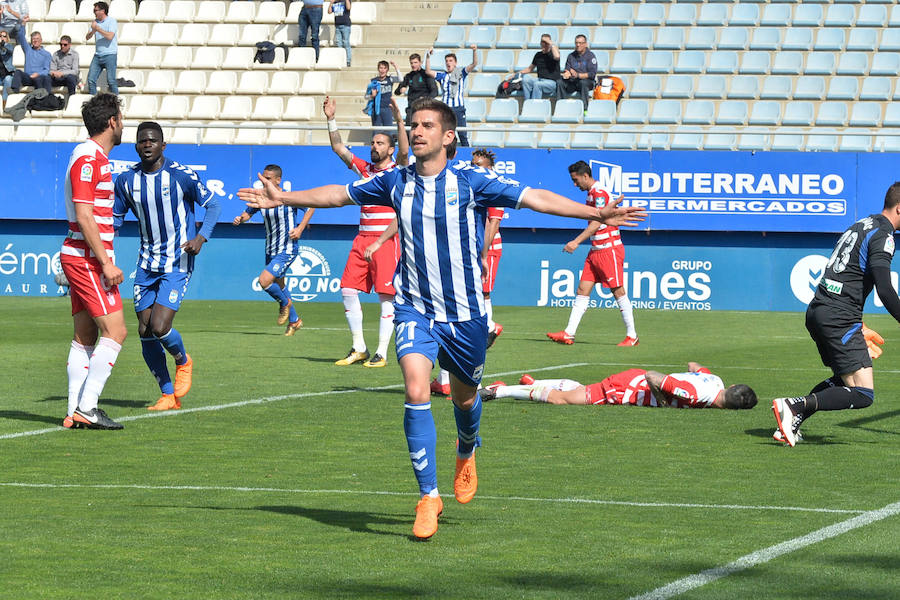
{"x": 860, "y": 262}
{"x": 282, "y": 233}
{"x": 376, "y": 273}
{"x": 162, "y": 193}
{"x": 604, "y": 263}
{"x": 88, "y": 262}
{"x": 439, "y": 310}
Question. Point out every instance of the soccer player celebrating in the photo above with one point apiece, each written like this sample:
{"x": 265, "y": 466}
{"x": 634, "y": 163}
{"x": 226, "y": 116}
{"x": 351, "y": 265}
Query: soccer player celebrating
{"x": 282, "y": 233}
{"x": 162, "y": 193}
{"x": 860, "y": 262}
{"x": 376, "y": 273}
{"x": 696, "y": 388}
{"x": 88, "y": 262}
{"x": 604, "y": 263}
{"x": 439, "y": 310}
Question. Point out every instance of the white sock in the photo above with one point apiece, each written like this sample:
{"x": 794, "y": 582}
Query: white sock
{"x": 563, "y": 385}
{"x": 77, "y": 367}
{"x": 444, "y": 377}
{"x": 489, "y": 309}
{"x": 535, "y": 391}
{"x": 578, "y": 309}
{"x": 353, "y": 312}
{"x": 102, "y": 360}
{"x": 627, "y": 316}
{"x": 385, "y": 327}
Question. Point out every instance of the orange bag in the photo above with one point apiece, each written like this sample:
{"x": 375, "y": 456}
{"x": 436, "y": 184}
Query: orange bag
{"x": 609, "y": 87}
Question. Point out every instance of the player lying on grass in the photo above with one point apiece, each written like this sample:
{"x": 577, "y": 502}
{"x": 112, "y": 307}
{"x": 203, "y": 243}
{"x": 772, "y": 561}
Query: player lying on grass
{"x": 439, "y": 309}
{"x": 697, "y": 388}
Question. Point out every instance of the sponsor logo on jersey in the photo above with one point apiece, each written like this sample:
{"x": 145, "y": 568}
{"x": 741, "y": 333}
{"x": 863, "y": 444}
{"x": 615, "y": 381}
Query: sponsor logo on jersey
{"x": 805, "y": 276}
{"x": 87, "y": 173}
{"x": 889, "y": 245}
{"x": 835, "y": 287}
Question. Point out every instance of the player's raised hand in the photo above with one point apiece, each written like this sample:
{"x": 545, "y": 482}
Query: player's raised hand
{"x": 328, "y": 107}
{"x": 265, "y": 197}
{"x": 873, "y": 342}
{"x": 621, "y": 216}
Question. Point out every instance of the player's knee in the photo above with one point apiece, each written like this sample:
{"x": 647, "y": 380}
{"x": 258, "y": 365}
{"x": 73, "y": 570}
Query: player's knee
{"x": 160, "y": 329}
{"x": 862, "y": 397}
{"x": 349, "y": 292}
{"x": 266, "y": 279}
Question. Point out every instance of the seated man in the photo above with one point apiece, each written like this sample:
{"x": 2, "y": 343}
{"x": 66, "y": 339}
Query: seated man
{"x": 697, "y": 388}
{"x": 64, "y": 65}
{"x": 580, "y": 72}
{"x": 37, "y": 63}
{"x": 546, "y": 63}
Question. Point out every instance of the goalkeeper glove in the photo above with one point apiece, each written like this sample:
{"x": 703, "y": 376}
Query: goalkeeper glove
{"x": 873, "y": 341}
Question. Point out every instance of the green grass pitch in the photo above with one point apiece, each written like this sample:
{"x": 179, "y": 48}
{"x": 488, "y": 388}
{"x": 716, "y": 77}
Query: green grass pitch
{"x": 296, "y": 483}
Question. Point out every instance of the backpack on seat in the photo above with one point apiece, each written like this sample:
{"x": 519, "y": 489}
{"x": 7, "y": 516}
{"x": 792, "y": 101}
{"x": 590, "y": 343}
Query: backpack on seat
{"x": 609, "y": 87}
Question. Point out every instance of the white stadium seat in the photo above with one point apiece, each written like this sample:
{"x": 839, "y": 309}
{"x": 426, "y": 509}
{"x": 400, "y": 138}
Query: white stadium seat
{"x": 73, "y": 108}
{"x": 271, "y": 13}
{"x": 286, "y": 83}
{"x": 283, "y": 137}
{"x": 332, "y": 59}
{"x": 122, "y": 11}
{"x": 241, "y": 12}
{"x": 173, "y": 108}
{"x": 250, "y": 136}
{"x": 316, "y": 83}
{"x": 180, "y": 11}
{"x": 299, "y": 108}
{"x": 218, "y": 135}
{"x": 222, "y": 82}
{"x": 195, "y": 34}
{"x": 224, "y": 34}
{"x": 267, "y": 108}
{"x": 164, "y": 34}
{"x": 239, "y": 59}
{"x": 150, "y": 11}
{"x": 177, "y": 58}
{"x": 205, "y": 108}
{"x": 250, "y": 34}
{"x": 211, "y": 11}
{"x": 301, "y": 59}
{"x": 189, "y": 132}
{"x": 146, "y": 57}
{"x": 191, "y": 82}
{"x": 237, "y": 108}
{"x": 61, "y": 10}
{"x": 208, "y": 58}
{"x": 159, "y": 82}
{"x": 142, "y": 107}
{"x": 134, "y": 34}
{"x": 253, "y": 82}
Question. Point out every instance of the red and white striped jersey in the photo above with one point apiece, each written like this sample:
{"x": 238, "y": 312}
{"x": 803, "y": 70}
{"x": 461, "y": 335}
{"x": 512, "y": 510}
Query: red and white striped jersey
{"x": 692, "y": 390}
{"x": 496, "y": 243}
{"x": 89, "y": 181}
{"x": 683, "y": 390}
{"x": 607, "y": 236}
{"x": 373, "y": 219}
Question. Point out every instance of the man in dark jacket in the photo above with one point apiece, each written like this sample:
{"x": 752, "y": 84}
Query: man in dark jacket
{"x": 418, "y": 82}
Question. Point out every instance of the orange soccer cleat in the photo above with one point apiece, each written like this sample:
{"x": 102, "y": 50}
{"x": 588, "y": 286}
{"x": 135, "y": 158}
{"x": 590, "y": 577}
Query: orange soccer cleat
{"x": 465, "y": 482}
{"x": 439, "y": 389}
{"x": 293, "y": 327}
{"x": 561, "y": 337}
{"x": 526, "y": 379}
{"x": 628, "y": 341}
{"x": 183, "y": 376}
{"x": 428, "y": 510}
{"x": 166, "y": 402}
{"x": 284, "y": 312}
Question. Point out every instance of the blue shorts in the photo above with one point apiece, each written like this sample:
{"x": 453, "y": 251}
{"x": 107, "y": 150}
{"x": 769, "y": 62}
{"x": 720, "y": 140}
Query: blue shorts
{"x": 458, "y": 347}
{"x": 278, "y": 264}
{"x": 166, "y": 289}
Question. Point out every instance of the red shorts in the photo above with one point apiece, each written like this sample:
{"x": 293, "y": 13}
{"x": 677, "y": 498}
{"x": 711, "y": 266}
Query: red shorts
{"x": 605, "y": 267}
{"x": 627, "y": 387}
{"x": 377, "y": 275}
{"x": 88, "y": 288}
{"x": 493, "y": 260}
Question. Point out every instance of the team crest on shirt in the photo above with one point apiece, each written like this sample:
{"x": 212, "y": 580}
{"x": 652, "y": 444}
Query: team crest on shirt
{"x": 87, "y": 172}
{"x": 452, "y": 195}
{"x": 889, "y": 245}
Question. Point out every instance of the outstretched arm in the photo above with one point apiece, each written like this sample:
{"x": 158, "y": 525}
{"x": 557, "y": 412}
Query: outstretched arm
{"x": 428, "y": 70}
{"x": 334, "y": 136}
{"x": 552, "y": 203}
{"x": 474, "y": 64}
{"x": 402, "y": 137}
{"x": 327, "y": 196}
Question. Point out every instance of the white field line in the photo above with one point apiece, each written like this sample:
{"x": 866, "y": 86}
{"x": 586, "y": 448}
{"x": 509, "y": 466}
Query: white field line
{"x": 185, "y": 411}
{"x": 268, "y": 490}
{"x": 765, "y": 555}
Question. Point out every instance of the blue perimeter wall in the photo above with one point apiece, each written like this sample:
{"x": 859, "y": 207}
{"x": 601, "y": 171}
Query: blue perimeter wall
{"x": 728, "y": 230}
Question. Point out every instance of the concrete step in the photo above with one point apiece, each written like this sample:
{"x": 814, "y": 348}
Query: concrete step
{"x": 411, "y": 35}
{"x": 434, "y": 12}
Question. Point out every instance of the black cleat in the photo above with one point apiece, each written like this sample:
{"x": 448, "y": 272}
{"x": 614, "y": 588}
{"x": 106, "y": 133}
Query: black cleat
{"x": 494, "y": 334}
{"x": 95, "y": 419}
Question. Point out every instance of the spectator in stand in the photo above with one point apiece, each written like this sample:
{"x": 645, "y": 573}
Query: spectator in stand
{"x": 6, "y": 64}
{"x": 379, "y": 94}
{"x": 341, "y": 11}
{"x": 64, "y": 65}
{"x": 580, "y": 72}
{"x": 454, "y": 84}
{"x": 310, "y": 19}
{"x": 13, "y": 16}
{"x": 546, "y": 62}
{"x": 37, "y": 63}
{"x": 103, "y": 30}
{"x": 417, "y": 82}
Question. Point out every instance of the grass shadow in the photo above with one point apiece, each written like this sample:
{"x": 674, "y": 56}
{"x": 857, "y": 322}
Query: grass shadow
{"x": 21, "y": 415}
{"x": 819, "y": 440}
{"x": 858, "y": 423}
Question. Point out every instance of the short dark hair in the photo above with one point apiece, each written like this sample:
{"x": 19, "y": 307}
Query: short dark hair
{"x": 415, "y": 55}
{"x": 740, "y": 396}
{"x": 451, "y": 150}
{"x": 451, "y": 55}
{"x": 448, "y": 117}
{"x": 546, "y": 35}
{"x": 153, "y": 126}
{"x": 97, "y": 112}
{"x": 580, "y": 167}
{"x": 384, "y": 63}
{"x": 102, "y": 6}
{"x": 581, "y": 35}
{"x": 485, "y": 154}
{"x": 274, "y": 169}
{"x": 392, "y": 142}
{"x": 892, "y": 197}
{"x": 65, "y": 38}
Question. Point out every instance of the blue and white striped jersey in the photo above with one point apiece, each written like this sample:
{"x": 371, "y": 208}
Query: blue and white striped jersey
{"x": 279, "y": 221}
{"x": 454, "y": 85}
{"x": 163, "y": 202}
{"x": 441, "y": 220}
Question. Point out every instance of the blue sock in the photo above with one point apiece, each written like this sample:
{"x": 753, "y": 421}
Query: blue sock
{"x": 173, "y": 344}
{"x": 421, "y": 438}
{"x": 277, "y": 294}
{"x": 155, "y": 357}
{"x": 293, "y": 317}
{"x": 467, "y": 424}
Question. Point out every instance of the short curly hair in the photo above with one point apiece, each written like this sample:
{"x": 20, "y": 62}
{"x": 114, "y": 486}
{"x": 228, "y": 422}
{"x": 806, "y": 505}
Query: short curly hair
{"x": 97, "y": 112}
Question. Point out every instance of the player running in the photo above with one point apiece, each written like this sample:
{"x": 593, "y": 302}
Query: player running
{"x": 604, "y": 263}
{"x": 439, "y": 310}
{"x": 162, "y": 193}
{"x": 282, "y": 233}
{"x": 88, "y": 262}
{"x": 697, "y": 388}
{"x": 376, "y": 273}
{"x": 860, "y": 262}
